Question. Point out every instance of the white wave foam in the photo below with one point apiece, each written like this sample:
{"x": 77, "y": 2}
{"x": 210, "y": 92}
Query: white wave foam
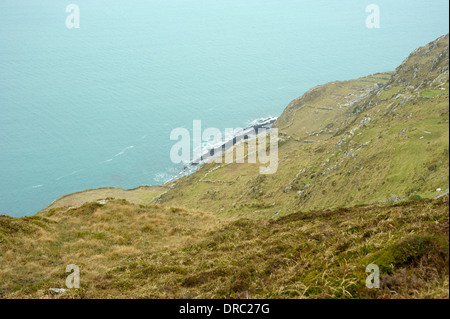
{"x": 73, "y": 173}
{"x": 123, "y": 151}
{"x": 118, "y": 154}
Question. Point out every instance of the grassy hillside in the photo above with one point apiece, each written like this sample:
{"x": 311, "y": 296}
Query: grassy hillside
{"x": 130, "y": 251}
{"x": 360, "y": 162}
{"x": 142, "y": 195}
{"x": 378, "y": 139}
{"x": 97, "y": 237}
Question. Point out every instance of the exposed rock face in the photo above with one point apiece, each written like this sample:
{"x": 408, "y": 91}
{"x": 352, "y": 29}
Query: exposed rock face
{"x": 423, "y": 65}
{"x": 426, "y": 66}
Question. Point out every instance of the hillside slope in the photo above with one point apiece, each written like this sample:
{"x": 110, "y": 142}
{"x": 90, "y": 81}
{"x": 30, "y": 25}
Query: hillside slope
{"x": 130, "y": 251}
{"x": 378, "y": 139}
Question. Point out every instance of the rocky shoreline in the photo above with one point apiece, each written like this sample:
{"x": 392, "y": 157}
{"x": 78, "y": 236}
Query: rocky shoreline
{"x": 217, "y": 150}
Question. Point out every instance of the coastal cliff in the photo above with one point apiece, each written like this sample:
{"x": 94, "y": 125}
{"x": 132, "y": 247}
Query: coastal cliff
{"x": 360, "y": 165}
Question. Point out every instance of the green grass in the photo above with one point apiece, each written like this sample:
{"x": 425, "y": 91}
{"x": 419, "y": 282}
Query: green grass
{"x": 391, "y": 92}
{"x": 433, "y": 92}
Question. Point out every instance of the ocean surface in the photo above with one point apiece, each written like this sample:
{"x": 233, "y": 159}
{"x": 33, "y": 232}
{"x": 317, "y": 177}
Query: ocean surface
{"x": 93, "y": 107}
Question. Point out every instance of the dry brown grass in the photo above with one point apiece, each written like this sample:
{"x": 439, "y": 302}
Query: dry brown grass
{"x": 132, "y": 251}
{"x": 34, "y": 251}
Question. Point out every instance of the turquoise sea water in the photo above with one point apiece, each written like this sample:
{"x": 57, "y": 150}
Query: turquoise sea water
{"x": 93, "y": 107}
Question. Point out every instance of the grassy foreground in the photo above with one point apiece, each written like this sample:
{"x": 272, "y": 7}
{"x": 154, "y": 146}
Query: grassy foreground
{"x": 131, "y": 251}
